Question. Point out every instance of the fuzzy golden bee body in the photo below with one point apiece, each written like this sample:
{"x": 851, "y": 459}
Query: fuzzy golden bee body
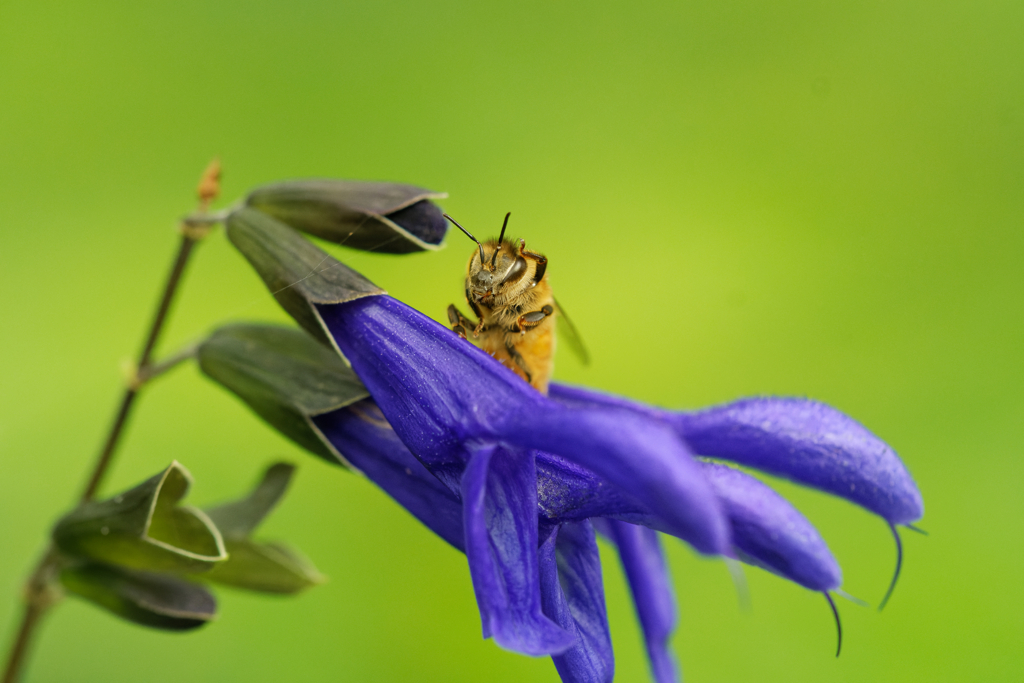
{"x": 507, "y": 289}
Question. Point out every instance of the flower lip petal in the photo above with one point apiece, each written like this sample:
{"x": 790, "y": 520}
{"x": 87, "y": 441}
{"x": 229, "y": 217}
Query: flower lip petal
{"x": 768, "y": 531}
{"x": 811, "y": 443}
{"x": 499, "y": 495}
{"x": 771, "y": 533}
{"x": 802, "y": 440}
{"x": 440, "y": 393}
{"x": 625, "y": 447}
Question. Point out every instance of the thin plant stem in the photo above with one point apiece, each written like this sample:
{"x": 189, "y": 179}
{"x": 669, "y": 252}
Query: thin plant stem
{"x": 132, "y": 390}
{"x": 41, "y": 592}
{"x": 154, "y": 370}
{"x": 40, "y": 595}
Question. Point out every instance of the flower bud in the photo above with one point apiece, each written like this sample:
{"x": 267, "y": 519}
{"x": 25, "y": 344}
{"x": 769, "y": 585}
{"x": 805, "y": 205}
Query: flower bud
{"x": 391, "y": 218}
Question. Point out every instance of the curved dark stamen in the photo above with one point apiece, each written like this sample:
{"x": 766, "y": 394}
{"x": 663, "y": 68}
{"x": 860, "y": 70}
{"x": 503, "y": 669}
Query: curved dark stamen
{"x": 899, "y": 564}
{"x": 504, "y": 225}
{"x": 469, "y": 235}
{"x": 839, "y": 625}
{"x": 917, "y": 529}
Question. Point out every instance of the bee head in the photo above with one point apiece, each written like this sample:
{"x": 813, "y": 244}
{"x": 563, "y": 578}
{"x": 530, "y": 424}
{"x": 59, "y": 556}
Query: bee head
{"x": 499, "y": 265}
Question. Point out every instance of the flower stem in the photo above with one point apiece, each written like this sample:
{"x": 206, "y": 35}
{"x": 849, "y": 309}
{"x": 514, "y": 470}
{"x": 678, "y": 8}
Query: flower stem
{"x": 128, "y": 400}
{"x": 40, "y": 595}
{"x": 154, "y": 370}
{"x": 41, "y": 591}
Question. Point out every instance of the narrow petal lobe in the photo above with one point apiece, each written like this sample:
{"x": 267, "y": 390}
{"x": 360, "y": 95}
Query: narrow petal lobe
{"x": 644, "y": 564}
{"x": 499, "y": 492}
{"x": 769, "y": 532}
{"x": 573, "y": 596}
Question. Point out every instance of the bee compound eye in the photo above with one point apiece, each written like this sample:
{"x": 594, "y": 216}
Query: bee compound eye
{"x": 516, "y": 271}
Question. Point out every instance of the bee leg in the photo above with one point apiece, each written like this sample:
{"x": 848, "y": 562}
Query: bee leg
{"x": 534, "y": 318}
{"x": 518, "y": 360}
{"x": 472, "y": 306}
{"x": 459, "y": 322}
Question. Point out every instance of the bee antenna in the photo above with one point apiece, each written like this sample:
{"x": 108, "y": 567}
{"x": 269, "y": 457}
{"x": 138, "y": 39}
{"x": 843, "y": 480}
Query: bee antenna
{"x": 468, "y": 234}
{"x": 504, "y": 225}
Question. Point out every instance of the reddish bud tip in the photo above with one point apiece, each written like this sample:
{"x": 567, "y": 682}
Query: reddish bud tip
{"x": 209, "y": 183}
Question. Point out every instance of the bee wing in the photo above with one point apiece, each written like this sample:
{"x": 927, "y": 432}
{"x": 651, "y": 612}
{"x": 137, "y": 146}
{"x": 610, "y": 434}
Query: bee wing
{"x": 571, "y": 335}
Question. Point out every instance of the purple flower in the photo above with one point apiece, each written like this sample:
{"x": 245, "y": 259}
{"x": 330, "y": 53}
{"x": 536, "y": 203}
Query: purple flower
{"x": 519, "y": 481}
{"x": 513, "y": 479}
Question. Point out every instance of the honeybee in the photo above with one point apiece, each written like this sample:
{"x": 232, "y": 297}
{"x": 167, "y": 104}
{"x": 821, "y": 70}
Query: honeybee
{"x": 507, "y": 289}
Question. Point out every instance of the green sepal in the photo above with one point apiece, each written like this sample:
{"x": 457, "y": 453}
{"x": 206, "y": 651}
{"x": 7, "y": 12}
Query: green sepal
{"x": 155, "y": 600}
{"x": 297, "y": 273}
{"x": 390, "y": 218}
{"x": 240, "y": 518}
{"x": 265, "y": 568}
{"x": 144, "y": 528}
{"x": 257, "y": 566}
{"x": 285, "y": 376}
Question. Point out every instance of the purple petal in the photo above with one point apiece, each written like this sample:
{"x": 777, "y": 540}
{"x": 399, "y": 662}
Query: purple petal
{"x": 640, "y": 457}
{"x": 578, "y": 397}
{"x": 572, "y": 591}
{"x": 423, "y": 219}
{"x": 799, "y": 439}
{"x": 365, "y": 438}
{"x": 644, "y": 563}
{"x": 499, "y": 493}
{"x": 810, "y": 443}
{"x": 438, "y": 391}
{"x": 567, "y": 492}
{"x": 771, "y": 533}
{"x": 765, "y": 528}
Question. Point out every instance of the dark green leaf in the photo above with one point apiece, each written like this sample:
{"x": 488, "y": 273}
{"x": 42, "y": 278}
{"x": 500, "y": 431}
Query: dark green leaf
{"x": 285, "y": 376}
{"x": 144, "y": 528}
{"x": 265, "y": 567}
{"x": 155, "y": 600}
{"x": 385, "y": 217}
{"x": 297, "y": 273}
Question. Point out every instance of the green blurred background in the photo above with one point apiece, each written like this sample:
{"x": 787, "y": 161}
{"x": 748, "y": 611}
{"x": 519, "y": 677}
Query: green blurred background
{"x": 808, "y": 198}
